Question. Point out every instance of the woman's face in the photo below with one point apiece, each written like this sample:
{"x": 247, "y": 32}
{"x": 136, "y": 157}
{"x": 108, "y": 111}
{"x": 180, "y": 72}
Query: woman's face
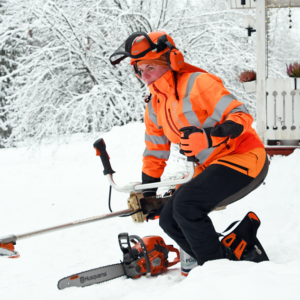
{"x": 151, "y": 73}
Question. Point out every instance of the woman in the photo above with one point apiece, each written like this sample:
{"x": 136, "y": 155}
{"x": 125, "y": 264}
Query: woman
{"x": 192, "y": 108}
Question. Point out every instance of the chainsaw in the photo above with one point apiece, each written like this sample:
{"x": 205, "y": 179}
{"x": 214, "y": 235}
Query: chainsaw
{"x": 148, "y": 256}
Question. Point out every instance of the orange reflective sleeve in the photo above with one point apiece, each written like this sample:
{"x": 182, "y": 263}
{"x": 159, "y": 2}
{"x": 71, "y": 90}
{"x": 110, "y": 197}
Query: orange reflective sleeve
{"x": 218, "y": 106}
{"x": 157, "y": 150}
{"x": 211, "y": 96}
{"x": 153, "y": 166}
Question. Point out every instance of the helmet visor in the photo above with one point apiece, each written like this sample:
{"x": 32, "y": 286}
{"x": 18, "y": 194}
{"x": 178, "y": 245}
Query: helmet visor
{"x": 136, "y": 46}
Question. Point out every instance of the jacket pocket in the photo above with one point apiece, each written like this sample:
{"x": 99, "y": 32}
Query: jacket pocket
{"x": 235, "y": 165}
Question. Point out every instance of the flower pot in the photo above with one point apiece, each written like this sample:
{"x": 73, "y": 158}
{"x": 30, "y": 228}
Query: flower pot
{"x": 295, "y": 83}
{"x": 250, "y": 86}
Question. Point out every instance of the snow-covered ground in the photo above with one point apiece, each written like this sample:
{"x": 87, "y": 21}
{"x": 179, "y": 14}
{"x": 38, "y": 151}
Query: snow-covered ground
{"x": 56, "y": 186}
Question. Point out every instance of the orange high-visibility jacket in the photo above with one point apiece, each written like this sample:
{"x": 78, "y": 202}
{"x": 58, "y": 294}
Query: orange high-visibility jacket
{"x": 203, "y": 102}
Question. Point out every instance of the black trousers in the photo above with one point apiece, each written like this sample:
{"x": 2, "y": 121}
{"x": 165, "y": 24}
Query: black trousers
{"x": 185, "y": 216}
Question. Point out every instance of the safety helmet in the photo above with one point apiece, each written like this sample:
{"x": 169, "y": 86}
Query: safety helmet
{"x": 141, "y": 45}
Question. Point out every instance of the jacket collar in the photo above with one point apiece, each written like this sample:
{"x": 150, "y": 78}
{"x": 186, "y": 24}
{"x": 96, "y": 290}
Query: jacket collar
{"x": 164, "y": 84}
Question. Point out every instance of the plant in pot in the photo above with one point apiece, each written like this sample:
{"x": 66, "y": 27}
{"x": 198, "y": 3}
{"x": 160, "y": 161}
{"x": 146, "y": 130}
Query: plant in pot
{"x": 293, "y": 71}
{"x": 248, "y": 78}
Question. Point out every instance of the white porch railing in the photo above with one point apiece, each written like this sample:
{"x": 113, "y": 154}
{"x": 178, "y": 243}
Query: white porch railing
{"x": 282, "y": 109}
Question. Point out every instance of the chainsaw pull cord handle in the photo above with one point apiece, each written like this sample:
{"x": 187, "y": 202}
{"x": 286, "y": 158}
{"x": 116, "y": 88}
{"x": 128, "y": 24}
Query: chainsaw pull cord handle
{"x": 145, "y": 252}
{"x": 176, "y": 259}
{"x": 100, "y": 147}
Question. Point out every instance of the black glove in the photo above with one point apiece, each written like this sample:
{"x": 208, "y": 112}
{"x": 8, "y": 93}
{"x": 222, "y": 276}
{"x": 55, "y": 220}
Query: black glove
{"x": 154, "y": 213}
{"x": 228, "y": 128}
{"x": 149, "y": 179}
{"x": 149, "y": 193}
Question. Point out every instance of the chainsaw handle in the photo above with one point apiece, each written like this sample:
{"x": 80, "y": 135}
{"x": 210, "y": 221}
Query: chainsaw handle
{"x": 100, "y": 147}
{"x": 145, "y": 252}
{"x": 176, "y": 259}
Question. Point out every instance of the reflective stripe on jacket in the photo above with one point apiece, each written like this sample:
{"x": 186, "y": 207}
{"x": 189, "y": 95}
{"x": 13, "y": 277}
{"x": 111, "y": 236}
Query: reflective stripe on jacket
{"x": 203, "y": 102}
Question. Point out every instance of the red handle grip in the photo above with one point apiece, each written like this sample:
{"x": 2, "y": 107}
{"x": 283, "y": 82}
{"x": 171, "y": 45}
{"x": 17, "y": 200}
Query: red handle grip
{"x": 100, "y": 147}
{"x": 176, "y": 259}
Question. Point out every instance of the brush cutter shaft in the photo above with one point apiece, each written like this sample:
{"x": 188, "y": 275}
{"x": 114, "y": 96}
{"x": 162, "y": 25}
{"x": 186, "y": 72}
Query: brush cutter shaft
{"x": 14, "y": 238}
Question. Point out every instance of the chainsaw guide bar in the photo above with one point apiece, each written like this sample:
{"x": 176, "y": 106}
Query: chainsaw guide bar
{"x": 97, "y": 275}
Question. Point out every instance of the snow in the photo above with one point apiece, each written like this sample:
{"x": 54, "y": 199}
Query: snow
{"x": 59, "y": 185}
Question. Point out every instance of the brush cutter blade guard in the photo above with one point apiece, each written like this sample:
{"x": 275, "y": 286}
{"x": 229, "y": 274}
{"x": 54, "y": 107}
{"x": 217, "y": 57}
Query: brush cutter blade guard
{"x": 8, "y": 250}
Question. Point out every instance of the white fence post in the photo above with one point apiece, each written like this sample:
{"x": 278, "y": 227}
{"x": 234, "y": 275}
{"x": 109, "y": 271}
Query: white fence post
{"x": 261, "y": 69}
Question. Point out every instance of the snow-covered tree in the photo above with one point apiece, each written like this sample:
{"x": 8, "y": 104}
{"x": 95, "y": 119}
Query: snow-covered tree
{"x": 282, "y": 40}
{"x": 65, "y": 82}
{"x": 9, "y": 51}
{"x": 6, "y": 66}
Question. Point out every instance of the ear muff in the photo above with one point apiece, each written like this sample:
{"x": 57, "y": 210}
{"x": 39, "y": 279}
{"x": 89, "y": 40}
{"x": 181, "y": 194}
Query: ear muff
{"x": 175, "y": 58}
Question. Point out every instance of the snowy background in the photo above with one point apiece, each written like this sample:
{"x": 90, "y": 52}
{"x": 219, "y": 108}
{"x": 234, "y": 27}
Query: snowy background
{"x": 59, "y": 93}
{"x": 55, "y": 74}
{"x": 56, "y": 186}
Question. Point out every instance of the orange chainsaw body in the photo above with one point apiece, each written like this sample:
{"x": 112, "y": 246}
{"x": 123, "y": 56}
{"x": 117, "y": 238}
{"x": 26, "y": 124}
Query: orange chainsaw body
{"x": 158, "y": 255}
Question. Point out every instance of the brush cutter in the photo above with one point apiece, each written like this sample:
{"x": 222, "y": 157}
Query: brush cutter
{"x": 138, "y": 206}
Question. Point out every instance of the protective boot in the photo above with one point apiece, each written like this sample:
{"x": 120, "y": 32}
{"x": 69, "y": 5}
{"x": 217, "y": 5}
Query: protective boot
{"x": 239, "y": 241}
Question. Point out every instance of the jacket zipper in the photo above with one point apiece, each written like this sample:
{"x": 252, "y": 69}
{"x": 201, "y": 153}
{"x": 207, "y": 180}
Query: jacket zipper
{"x": 156, "y": 90}
{"x": 233, "y": 164}
{"x": 173, "y": 122}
